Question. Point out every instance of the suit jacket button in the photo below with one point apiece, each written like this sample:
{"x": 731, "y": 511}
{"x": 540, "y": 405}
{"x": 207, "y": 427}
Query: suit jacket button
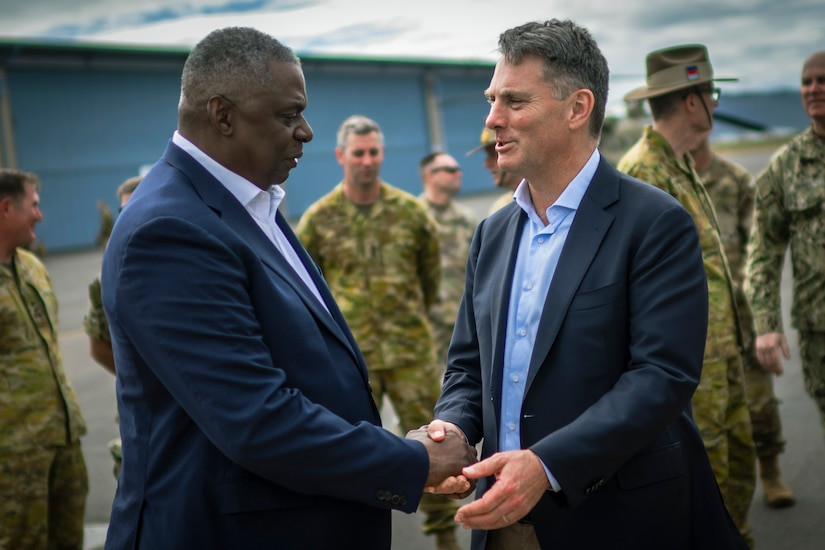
{"x": 395, "y": 499}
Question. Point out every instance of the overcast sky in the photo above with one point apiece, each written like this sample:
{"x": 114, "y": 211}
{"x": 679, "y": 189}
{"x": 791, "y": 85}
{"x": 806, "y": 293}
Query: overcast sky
{"x": 762, "y": 42}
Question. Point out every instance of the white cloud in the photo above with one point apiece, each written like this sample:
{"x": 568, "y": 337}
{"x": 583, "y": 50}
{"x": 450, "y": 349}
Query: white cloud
{"x": 763, "y": 42}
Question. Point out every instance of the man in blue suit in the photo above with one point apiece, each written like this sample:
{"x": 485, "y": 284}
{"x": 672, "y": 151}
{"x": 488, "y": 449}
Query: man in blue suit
{"x": 580, "y": 337}
{"x": 245, "y": 408}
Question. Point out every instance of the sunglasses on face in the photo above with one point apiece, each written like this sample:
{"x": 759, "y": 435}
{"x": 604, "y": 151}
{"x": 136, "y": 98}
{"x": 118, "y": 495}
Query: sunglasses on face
{"x": 448, "y": 169}
{"x": 715, "y": 93}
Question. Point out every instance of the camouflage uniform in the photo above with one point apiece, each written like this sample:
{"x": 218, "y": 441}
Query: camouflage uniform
{"x": 383, "y": 268}
{"x": 730, "y": 188}
{"x": 96, "y": 326}
{"x": 107, "y": 223}
{"x": 790, "y": 210}
{"x": 719, "y": 403}
{"x": 43, "y": 481}
{"x": 456, "y": 225}
{"x": 501, "y": 202}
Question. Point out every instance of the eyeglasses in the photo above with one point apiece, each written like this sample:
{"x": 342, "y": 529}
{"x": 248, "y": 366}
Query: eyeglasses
{"x": 715, "y": 93}
{"x": 448, "y": 169}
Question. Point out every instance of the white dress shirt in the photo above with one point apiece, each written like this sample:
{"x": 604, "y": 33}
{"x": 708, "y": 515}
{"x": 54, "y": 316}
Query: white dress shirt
{"x": 261, "y": 205}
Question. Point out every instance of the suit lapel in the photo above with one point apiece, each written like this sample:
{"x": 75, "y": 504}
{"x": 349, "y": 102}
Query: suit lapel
{"x": 338, "y": 324}
{"x": 583, "y": 241}
{"x": 219, "y": 199}
{"x": 503, "y": 270}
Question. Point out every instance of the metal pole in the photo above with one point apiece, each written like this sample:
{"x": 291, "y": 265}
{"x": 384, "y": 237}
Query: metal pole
{"x": 8, "y": 153}
{"x": 435, "y": 124}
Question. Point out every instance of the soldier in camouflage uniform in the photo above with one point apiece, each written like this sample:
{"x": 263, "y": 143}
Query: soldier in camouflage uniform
{"x": 500, "y": 177}
{"x": 107, "y": 221}
{"x": 681, "y": 99}
{"x": 730, "y": 187}
{"x": 441, "y": 178}
{"x": 43, "y": 481}
{"x": 790, "y": 211}
{"x": 379, "y": 252}
{"x": 97, "y": 327}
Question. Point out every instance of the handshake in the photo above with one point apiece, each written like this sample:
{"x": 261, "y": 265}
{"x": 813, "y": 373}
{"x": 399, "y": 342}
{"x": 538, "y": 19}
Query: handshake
{"x": 449, "y": 454}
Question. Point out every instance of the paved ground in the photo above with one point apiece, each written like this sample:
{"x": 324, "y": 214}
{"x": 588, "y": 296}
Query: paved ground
{"x": 801, "y": 527}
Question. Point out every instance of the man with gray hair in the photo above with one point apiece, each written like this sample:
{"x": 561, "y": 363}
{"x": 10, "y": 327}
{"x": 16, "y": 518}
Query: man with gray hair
{"x": 580, "y": 336}
{"x": 245, "y": 407}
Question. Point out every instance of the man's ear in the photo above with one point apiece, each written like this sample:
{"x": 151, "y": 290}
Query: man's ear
{"x": 581, "y": 106}
{"x": 219, "y": 111}
{"x": 5, "y": 206}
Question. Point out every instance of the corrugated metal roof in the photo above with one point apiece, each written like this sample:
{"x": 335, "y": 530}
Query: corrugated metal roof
{"x": 22, "y": 51}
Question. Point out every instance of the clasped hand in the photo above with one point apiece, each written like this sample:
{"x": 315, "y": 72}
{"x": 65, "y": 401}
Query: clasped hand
{"x": 449, "y": 453}
{"x": 520, "y": 482}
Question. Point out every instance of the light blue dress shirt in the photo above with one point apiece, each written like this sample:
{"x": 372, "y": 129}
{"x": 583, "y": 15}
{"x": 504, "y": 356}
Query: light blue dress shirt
{"x": 538, "y": 255}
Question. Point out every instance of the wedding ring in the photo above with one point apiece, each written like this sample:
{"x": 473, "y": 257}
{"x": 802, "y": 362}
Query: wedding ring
{"x": 504, "y": 519}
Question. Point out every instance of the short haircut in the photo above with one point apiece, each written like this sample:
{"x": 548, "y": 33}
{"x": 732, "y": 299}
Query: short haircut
{"x": 429, "y": 158}
{"x": 128, "y": 186}
{"x": 13, "y": 183}
{"x": 426, "y": 160}
{"x": 665, "y": 106}
{"x": 572, "y": 60}
{"x": 360, "y": 126}
{"x": 228, "y": 62}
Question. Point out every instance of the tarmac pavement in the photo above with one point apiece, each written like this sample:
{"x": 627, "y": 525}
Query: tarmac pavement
{"x": 801, "y": 527}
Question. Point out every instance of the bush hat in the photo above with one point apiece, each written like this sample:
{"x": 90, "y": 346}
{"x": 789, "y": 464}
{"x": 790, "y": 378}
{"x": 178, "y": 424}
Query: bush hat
{"x": 675, "y": 68}
{"x": 488, "y": 137}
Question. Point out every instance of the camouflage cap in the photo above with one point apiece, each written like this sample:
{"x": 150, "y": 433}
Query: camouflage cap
{"x": 488, "y": 137}
{"x": 675, "y": 68}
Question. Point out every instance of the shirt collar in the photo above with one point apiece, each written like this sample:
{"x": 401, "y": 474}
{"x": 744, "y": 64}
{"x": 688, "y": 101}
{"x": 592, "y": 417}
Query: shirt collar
{"x": 247, "y": 193}
{"x": 572, "y": 195}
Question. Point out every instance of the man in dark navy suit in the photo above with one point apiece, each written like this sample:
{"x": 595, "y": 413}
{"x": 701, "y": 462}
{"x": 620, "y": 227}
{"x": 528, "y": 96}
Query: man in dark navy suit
{"x": 245, "y": 409}
{"x": 580, "y": 337}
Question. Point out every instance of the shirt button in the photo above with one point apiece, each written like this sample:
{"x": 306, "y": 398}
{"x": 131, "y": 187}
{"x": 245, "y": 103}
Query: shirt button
{"x": 523, "y": 332}
{"x": 529, "y": 286}
{"x": 515, "y": 378}
{"x": 541, "y": 240}
{"x": 512, "y": 427}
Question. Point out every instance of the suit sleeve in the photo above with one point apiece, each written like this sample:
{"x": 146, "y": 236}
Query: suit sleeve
{"x": 184, "y": 298}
